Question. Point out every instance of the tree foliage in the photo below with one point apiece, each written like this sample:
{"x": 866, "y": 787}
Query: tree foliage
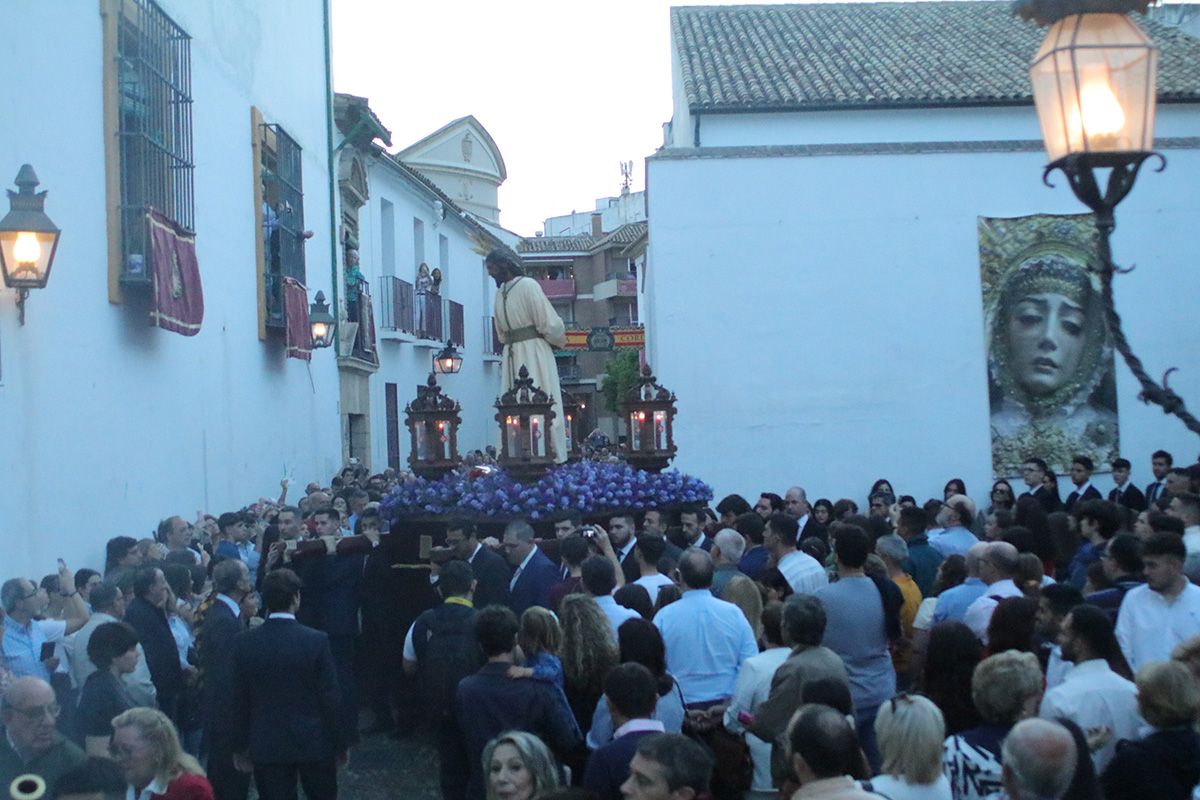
{"x": 620, "y": 375}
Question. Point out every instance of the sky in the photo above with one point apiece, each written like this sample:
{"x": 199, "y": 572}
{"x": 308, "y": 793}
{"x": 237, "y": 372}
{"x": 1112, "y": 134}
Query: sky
{"x": 568, "y": 89}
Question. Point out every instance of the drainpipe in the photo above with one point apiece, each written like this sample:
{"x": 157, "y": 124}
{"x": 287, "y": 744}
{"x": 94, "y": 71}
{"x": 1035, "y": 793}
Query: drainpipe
{"x": 333, "y": 153}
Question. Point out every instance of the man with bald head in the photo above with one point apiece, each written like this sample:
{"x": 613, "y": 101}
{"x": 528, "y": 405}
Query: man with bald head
{"x": 32, "y": 744}
{"x": 952, "y": 603}
{"x": 1039, "y": 760}
{"x": 955, "y": 518}
{"x": 795, "y": 504}
{"x": 706, "y": 639}
{"x": 997, "y": 568}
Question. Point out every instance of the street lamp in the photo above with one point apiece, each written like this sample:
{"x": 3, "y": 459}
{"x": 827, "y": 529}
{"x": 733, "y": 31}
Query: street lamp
{"x": 28, "y": 239}
{"x": 1094, "y": 86}
{"x": 321, "y": 322}
{"x": 448, "y": 361}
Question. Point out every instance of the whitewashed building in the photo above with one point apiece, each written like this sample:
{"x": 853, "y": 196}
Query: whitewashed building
{"x": 395, "y": 219}
{"x": 813, "y": 289}
{"x": 206, "y": 111}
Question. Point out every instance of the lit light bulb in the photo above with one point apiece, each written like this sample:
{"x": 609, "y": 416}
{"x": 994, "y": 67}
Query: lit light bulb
{"x": 1098, "y": 114}
{"x": 27, "y": 250}
{"x": 319, "y": 329}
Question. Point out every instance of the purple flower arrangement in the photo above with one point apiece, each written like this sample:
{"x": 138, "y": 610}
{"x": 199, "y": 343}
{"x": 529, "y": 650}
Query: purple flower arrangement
{"x": 591, "y": 487}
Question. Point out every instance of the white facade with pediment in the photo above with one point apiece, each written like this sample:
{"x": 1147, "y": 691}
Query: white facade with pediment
{"x": 465, "y": 163}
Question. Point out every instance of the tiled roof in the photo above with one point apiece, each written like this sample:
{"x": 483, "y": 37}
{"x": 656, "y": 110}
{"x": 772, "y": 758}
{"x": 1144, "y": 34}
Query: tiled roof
{"x": 847, "y": 55}
{"x": 626, "y": 234}
{"x": 556, "y": 244}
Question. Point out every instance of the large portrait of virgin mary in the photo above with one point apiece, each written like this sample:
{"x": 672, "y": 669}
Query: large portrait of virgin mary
{"x": 1050, "y": 362}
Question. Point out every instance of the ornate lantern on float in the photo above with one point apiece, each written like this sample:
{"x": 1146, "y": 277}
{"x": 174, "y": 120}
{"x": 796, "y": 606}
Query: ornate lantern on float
{"x": 433, "y": 420}
{"x": 650, "y": 411}
{"x": 573, "y": 408}
{"x": 525, "y": 413}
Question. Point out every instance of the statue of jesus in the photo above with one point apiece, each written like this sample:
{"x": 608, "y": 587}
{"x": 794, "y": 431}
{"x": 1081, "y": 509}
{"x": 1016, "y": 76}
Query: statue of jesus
{"x": 530, "y": 329}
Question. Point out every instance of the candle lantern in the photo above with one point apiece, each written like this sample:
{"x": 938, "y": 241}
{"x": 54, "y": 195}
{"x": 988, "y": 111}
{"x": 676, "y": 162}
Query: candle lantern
{"x": 650, "y": 411}
{"x": 573, "y": 408}
{"x": 525, "y": 414}
{"x": 433, "y": 420}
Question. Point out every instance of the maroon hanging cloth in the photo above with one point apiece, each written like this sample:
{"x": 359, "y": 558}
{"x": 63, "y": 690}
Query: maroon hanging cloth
{"x": 178, "y": 296}
{"x": 366, "y": 320}
{"x": 295, "y": 312}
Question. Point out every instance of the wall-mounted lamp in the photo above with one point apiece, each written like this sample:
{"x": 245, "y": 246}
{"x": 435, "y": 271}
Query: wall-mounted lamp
{"x": 448, "y": 361}
{"x": 28, "y": 239}
{"x": 321, "y": 322}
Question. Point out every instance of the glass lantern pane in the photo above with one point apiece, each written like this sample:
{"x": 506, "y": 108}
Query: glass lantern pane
{"x": 660, "y": 430}
{"x": 26, "y": 257}
{"x": 512, "y": 432}
{"x": 537, "y": 435}
{"x": 635, "y": 429}
{"x": 422, "y": 438}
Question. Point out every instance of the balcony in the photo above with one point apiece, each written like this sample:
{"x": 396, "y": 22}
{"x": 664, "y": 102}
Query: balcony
{"x": 490, "y": 335}
{"x": 454, "y": 313}
{"x": 430, "y": 319}
{"x": 616, "y": 285}
{"x": 569, "y": 373}
{"x": 558, "y": 288}
{"x": 397, "y": 305}
{"x": 357, "y": 339}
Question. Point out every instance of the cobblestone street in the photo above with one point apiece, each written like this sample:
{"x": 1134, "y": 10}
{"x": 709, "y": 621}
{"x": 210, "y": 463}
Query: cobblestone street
{"x": 382, "y": 767}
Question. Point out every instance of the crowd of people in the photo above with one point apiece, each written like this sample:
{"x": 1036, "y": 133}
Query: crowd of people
{"x": 1032, "y": 648}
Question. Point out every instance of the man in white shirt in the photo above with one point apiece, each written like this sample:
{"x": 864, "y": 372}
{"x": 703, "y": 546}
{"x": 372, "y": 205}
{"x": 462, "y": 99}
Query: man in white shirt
{"x": 1092, "y": 695}
{"x": 997, "y": 567}
{"x": 600, "y": 580}
{"x": 706, "y": 639}
{"x": 1056, "y": 601}
{"x": 1186, "y": 508}
{"x": 108, "y": 605}
{"x": 1156, "y": 617}
{"x": 648, "y": 550}
{"x": 803, "y": 572}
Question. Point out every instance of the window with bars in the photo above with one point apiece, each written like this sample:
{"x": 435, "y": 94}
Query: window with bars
{"x": 153, "y": 72}
{"x": 282, "y": 216}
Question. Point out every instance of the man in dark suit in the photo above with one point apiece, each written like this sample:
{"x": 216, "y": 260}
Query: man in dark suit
{"x": 691, "y": 523}
{"x": 145, "y": 613}
{"x": 489, "y": 702}
{"x": 795, "y": 504}
{"x": 285, "y": 700}
{"x": 631, "y": 693}
{"x": 1125, "y": 493}
{"x": 621, "y": 530}
{"x": 333, "y": 590}
{"x": 492, "y": 574}
{"x": 1160, "y": 463}
{"x": 1033, "y": 471}
{"x": 1081, "y": 476}
{"x": 533, "y": 573}
{"x": 214, "y": 645}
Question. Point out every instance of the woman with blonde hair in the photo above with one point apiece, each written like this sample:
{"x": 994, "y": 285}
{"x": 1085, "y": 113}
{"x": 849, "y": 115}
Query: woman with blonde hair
{"x": 1165, "y": 764}
{"x": 146, "y": 748}
{"x": 744, "y": 593}
{"x": 518, "y": 766}
{"x": 588, "y": 653}
{"x": 910, "y": 732}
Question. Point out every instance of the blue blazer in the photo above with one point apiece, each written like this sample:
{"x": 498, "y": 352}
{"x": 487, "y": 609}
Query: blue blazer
{"x": 285, "y": 694}
{"x": 533, "y": 587}
{"x": 608, "y": 767}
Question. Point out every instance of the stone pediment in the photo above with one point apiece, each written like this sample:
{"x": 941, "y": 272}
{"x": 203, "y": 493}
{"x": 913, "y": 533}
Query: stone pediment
{"x": 463, "y": 145}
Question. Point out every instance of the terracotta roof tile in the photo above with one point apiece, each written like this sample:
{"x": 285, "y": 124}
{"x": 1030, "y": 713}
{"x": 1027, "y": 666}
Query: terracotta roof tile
{"x": 831, "y": 55}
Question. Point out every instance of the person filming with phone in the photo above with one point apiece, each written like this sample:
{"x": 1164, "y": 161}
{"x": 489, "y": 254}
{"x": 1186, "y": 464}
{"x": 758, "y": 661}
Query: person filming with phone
{"x": 28, "y": 639}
